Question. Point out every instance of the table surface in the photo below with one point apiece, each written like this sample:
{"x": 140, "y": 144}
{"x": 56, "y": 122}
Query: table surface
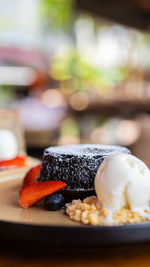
{"x": 134, "y": 255}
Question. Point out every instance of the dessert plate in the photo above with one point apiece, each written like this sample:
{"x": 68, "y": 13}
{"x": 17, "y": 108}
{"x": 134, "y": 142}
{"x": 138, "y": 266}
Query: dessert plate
{"x": 38, "y": 227}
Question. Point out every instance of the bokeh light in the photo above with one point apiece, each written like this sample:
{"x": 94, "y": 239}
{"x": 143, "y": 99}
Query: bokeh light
{"x": 53, "y": 98}
{"x": 79, "y": 101}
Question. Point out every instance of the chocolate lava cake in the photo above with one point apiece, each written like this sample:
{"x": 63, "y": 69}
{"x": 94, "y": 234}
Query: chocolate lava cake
{"x": 76, "y": 165}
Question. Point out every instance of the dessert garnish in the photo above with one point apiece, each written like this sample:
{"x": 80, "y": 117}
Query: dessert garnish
{"x": 32, "y": 175}
{"x": 18, "y": 161}
{"x": 90, "y": 211}
{"x": 122, "y": 185}
{"x": 54, "y": 202}
{"x": 32, "y": 193}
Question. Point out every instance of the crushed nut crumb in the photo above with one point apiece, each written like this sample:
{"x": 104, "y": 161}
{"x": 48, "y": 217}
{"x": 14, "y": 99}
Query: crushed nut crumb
{"x": 89, "y": 211}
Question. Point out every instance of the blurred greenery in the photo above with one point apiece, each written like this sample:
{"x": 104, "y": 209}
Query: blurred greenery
{"x": 69, "y": 127}
{"x": 6, "y": 95}
{"x": 57, "y": 14}
{"x": 69, "y": 66}
{"x": 6, "y": 23}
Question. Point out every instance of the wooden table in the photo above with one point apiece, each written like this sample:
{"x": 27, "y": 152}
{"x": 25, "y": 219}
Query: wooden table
{"x": 134, "y": 255}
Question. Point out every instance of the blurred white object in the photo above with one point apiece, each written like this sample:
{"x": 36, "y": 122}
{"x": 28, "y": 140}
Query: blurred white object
{"x": 8, "y": 145}
{"x": 123, "y": 181}
{"x": 12, "y": 75}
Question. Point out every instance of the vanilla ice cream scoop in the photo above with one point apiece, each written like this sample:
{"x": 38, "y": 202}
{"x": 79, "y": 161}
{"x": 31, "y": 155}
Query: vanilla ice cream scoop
{"x": 123, "y": 181}
{"x": 8, "y": 145}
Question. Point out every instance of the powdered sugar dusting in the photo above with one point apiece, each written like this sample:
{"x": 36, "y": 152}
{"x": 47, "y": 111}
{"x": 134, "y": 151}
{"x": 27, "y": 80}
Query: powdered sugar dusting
{"x": 88, "y": 150}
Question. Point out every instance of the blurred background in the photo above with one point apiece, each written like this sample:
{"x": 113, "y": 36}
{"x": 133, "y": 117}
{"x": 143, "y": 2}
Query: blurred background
{"x": 75, "y": 72}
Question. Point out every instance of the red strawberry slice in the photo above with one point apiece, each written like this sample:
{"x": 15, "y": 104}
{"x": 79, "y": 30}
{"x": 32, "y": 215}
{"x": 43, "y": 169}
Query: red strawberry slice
{"x": 19, "y": 161}
{"x": 32, "y": 174}
{"x": 31, "y": 193}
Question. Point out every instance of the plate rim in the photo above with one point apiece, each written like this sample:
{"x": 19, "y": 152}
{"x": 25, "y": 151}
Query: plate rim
{"x": 83, "y": 236}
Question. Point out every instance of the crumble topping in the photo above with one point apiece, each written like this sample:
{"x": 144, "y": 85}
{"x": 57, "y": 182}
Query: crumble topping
{"x": 89, "y": 211}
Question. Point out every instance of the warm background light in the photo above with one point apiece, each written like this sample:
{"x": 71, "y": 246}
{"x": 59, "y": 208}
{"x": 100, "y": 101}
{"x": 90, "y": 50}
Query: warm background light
{"x": 79, "y": 101}
{"x": 53, "y": 98}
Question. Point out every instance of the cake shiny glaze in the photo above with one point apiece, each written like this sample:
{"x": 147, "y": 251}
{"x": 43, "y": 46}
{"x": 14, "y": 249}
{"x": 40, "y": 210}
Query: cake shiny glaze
{"x": 76, "y": 165}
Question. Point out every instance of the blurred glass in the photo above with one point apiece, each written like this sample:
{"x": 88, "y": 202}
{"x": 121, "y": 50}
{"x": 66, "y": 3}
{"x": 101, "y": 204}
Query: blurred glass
{"x": 9, "y": 120}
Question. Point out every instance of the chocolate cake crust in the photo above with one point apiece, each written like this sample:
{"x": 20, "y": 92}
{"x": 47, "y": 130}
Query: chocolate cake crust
{"x": 76, "y": 165}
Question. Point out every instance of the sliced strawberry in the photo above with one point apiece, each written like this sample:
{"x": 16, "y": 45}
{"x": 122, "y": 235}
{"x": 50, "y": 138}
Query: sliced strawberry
{"x": 31, "y": 193}
{"x": 32, "y": 174}
{"x": 18, "y": 161}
